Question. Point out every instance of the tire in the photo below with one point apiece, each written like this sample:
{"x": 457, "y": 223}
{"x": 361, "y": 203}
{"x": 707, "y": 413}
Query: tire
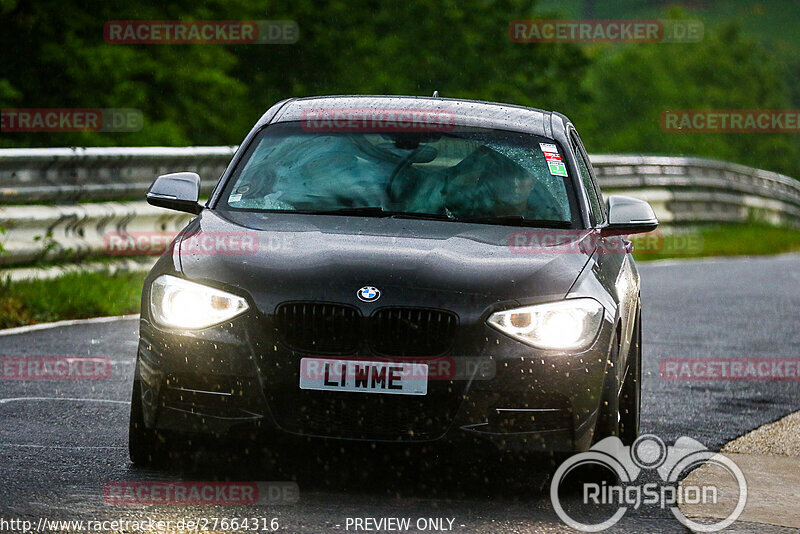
{"x": 630, "y": 399}
{"x": 142, "y": 441}
{"x": 620, "y": 413}
{"x": 608, "y": 413}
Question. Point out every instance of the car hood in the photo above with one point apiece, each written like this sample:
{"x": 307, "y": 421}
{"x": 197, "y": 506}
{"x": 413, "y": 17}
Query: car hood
{"x": 278, "y": 257}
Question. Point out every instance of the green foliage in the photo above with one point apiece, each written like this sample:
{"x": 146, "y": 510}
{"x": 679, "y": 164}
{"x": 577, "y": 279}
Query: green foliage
{"x": 752, "y": 239}
{"x": 73, "y": 296}
{"x": 636, "y": 83}
{"x": 210, "y": 94}
{"x": 54, "y": 55}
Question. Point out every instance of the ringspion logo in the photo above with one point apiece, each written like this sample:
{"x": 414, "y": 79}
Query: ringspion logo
{"x": 628, "y": 463}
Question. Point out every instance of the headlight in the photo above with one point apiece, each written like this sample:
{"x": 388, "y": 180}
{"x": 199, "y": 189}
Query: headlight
{"x": 570, "y": 324}
{"x": 178, "y": 303}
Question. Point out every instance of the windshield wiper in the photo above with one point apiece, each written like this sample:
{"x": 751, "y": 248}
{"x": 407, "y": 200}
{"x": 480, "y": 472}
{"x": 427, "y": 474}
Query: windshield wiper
{"x": 367, "y": 211}
{"x": 377, "y": 211}
{"x": 413, "y": 215}
{"x": 516, "y": 220}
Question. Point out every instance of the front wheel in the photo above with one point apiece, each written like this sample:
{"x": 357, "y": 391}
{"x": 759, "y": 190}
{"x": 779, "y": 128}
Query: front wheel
{"x": 142, "y": 441}
{"x": 630, "y": 399}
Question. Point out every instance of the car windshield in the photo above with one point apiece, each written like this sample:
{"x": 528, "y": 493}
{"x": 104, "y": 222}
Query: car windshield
{"x": 474, "y": 174}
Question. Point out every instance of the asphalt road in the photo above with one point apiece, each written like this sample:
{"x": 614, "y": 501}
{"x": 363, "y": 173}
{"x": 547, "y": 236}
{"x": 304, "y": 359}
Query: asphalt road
{"x": 61, "y": 442}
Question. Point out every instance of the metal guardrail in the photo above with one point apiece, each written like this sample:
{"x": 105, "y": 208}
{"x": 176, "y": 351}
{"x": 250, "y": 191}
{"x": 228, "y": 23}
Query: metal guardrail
{"x": 695, "y": 190}
{"x": 55, "y": 203}
{"x": 72, "y": 232}
{"x": 79, "y": 174}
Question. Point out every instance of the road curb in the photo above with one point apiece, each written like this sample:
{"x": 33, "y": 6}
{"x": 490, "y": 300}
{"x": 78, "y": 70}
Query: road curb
{"x": 126, "y": 265}
{"x": 768, "y": 458}
{"x": 71, "y": 322}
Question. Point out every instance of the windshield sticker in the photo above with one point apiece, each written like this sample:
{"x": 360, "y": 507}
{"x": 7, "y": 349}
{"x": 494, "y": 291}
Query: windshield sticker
{"x": 557, "y": 168}
{"x": 550, "y": 156}
{"x": 547, "y": 147}
{"x": 235, "y": 198}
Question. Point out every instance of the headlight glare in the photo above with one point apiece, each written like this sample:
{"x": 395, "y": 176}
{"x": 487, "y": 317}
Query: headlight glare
{"x": 570, "y": 324}
{"x": 179, "y": 303}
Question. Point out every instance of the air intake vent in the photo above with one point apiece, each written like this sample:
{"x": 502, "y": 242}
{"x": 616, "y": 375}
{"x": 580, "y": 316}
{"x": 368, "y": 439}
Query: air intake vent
{"x": 412, "y": 331}
{"x": 319, "y": 328}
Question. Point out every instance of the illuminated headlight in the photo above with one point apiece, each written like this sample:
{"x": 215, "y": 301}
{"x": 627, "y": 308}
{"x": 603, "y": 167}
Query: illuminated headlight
{"x": 178, "y": 303}
{"x": 570, "y": 324}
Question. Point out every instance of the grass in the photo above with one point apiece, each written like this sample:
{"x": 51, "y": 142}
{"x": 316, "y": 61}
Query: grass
{"x": 72, "y": 296}
{"x": 729, "y": 240}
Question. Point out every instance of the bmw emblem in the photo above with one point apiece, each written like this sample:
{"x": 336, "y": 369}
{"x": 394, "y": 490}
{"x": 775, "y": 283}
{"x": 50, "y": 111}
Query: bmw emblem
{"x": 368, "y": 294}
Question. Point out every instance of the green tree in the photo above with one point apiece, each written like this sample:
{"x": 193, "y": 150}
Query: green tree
{"x": 459, "y": 47}
{"x": 631, "y": 85}
{"x": 55, "y": 56}
{"x": 211, "y": 94}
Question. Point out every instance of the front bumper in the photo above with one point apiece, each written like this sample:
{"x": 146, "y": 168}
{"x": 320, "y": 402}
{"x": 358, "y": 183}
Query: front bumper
{"x": 238, "y": 379}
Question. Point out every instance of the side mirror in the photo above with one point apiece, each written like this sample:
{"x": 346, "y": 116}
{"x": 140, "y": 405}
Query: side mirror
{"x": 628, "y": 215}
{"x": 177, "y": 191}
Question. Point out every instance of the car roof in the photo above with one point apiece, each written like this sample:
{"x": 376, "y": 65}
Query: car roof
{"x": 473, "y": 113}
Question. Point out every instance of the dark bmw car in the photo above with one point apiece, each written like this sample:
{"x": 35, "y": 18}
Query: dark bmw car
{"x": 395, "y": 269}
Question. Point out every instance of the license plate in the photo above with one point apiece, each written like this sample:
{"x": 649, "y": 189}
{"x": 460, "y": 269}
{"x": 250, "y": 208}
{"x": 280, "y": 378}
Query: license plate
{"x": 392, "y": 378}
